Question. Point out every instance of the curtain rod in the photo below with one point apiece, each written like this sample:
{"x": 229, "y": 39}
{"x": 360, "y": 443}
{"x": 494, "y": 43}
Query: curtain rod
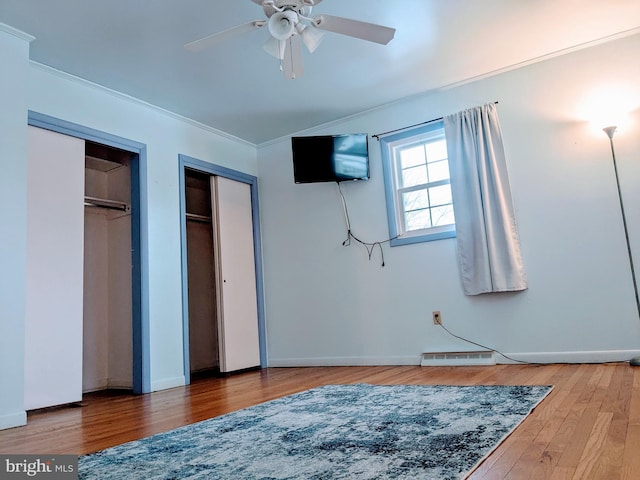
{"x": 378, "y": 135}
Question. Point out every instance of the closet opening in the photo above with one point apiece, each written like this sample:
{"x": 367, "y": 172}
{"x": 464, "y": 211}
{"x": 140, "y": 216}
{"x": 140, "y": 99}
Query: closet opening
{"x": 223, "y": 314}
{"x": 107, "y": 353}
{"x": 201, "y": 277}
{"x": 64, "y": 158}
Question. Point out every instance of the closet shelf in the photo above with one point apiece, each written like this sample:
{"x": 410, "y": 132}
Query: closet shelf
{"x": 104, "y": 203}
{"x": 198, "y": 218}
{"x": 101, "y": 164}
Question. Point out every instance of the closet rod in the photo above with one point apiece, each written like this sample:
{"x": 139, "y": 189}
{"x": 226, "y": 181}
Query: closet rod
{"x": 104, "y": 203}
{"x": 198, "y": 218}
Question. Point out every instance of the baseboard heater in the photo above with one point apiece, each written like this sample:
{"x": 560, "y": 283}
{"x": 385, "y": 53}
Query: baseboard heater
{"x": 439, "y": 359}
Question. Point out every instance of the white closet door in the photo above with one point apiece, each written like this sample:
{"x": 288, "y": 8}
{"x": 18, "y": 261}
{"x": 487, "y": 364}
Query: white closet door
{"x": 233, "y": 241}
{"x": 55, "y": 242}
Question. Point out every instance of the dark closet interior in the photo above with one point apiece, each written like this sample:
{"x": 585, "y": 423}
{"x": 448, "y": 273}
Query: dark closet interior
{"x": 203, "y": 327}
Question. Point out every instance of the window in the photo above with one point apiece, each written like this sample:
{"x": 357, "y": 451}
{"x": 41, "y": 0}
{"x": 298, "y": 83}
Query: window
{"x": 417, "y": 185}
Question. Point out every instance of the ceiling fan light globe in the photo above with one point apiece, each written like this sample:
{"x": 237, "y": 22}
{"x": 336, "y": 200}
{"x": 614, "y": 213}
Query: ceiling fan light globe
{"x": 311, "y": 37}
{"x": 271, "y": 46}
{"x": 283, "y": 24}
{"x": 275, "y": 47}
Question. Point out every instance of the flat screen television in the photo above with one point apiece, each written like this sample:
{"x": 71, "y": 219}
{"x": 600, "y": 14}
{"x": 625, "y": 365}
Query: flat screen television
{"x": 330, "y": 158}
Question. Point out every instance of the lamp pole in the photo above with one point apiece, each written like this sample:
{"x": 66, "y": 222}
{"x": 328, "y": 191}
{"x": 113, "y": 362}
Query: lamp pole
{"x": 610, "y": 131}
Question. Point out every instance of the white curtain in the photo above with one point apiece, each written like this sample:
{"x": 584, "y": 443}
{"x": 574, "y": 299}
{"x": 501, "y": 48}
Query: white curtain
{"x": 487, "y": 237}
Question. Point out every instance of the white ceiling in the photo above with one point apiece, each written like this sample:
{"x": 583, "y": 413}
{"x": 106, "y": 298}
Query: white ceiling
{"x": 136, "y": 47}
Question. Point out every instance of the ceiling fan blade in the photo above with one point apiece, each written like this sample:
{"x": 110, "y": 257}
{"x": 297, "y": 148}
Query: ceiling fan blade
{"x": 292, "y": 62}
{"x": 215, "y": 38}
{"x": 355, "y": 28}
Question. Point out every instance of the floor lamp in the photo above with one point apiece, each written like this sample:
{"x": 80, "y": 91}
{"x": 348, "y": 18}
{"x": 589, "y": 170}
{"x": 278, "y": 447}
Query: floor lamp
{"x": 610, "y": 131}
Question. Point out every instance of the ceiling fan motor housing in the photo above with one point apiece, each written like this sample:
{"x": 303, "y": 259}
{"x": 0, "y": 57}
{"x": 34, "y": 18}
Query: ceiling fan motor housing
{"x": 301, "y": 7}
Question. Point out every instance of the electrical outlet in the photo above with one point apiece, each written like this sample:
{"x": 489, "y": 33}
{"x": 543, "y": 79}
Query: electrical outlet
{"x": 437, "y": 317}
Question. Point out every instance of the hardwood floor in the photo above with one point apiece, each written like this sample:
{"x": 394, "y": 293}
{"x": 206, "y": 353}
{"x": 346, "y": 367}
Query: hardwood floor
{"x": 587, "y": 428}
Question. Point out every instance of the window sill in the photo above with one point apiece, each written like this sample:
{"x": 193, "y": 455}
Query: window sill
{"x": 428, "y": 237}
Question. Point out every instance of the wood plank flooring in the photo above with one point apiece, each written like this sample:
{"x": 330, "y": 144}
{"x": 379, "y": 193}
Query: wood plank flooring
{"x": 587, "y": 428}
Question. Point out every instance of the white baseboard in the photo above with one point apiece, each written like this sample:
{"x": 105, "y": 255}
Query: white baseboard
{"x": 601, "y": 356}
{"x": 96, "y": 385}
{"x": 11, "y": 420}
{"x": 107, "y": 383}
{"x": 344, "y": 361}
{"x": 166, "y": 383}
{"x": 120, "y": 383}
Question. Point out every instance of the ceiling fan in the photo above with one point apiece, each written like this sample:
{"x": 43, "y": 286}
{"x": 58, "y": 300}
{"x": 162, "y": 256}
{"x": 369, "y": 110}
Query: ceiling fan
{"x": 290, "y": 23}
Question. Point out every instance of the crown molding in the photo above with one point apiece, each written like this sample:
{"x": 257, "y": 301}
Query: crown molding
{"x": 128, "y": 98}
{"x": 16, "y": 33}
{"x": 459, "y": 83}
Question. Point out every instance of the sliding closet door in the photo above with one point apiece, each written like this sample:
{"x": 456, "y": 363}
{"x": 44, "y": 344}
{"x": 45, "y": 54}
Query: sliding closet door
{"x": 55, "y": 242}
{"x": 233, "y": 238}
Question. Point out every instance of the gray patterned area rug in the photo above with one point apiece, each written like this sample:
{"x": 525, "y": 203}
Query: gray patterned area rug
{"x": 333, "y": 432}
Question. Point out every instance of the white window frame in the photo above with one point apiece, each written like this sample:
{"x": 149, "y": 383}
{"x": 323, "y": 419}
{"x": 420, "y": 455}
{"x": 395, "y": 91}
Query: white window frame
{"x": 391, "y": 144}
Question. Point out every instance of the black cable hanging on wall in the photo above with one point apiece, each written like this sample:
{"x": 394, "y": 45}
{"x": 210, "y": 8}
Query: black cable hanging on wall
{"x": 370, "y": 246}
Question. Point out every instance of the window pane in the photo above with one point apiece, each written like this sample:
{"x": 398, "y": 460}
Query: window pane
{"x": 411, "y": 157}
{"x": 436, "y": 151}
{"x": 417, "y": 220}
{"x": 415, "y": 200}
{"x": 414, "y": 176}
{"x": 417, "y": 172}
{"x": 438, "y": 170}
{"x": 440, "y": 195}
{"x": 442, "y": 215}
